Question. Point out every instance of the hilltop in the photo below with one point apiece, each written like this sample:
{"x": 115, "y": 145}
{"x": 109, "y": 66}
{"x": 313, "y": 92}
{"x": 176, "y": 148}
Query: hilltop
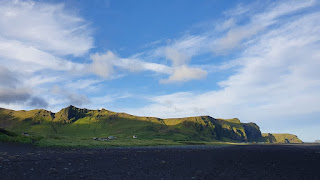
{"x": 72, "y": 122}
{"x": 281, "y": 138}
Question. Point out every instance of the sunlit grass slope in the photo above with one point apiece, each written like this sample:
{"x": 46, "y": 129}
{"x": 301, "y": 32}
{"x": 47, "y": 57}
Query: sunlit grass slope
{"x": 75, "y": 124}
{"x": 281, "y": 138}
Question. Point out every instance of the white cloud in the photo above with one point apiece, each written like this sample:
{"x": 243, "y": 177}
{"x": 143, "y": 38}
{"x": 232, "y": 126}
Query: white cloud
{"x": 223, "y": 39}
{"x": 258, "y": 23}
{"x": 34, "y": 39}
{"x": 34, "y": 36}
{"x": 188, "y": 45}
{"x": 282, "y": 8}
{"x": 137, "y": 65}
{"x": 227, "y": 24}
{"x": 104, "y": 65}
{"x": 240, "y": 9}
{"x": 184, "y": 73}
{"x": 69, "y": 97}
{"x": 277, "y": 78}
{"x": 36, "y": 80}
{"x": 44, "y": 26}
{"x": 235, "y": 36}
{"x": 180, "y": 71}
{"x": 14, "y": 52}
{"x": 176, "y": 57}
{"x": 83, "y": 84}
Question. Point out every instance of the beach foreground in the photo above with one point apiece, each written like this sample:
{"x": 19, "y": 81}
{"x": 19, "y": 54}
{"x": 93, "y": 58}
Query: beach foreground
{"x": 186, "y": 162}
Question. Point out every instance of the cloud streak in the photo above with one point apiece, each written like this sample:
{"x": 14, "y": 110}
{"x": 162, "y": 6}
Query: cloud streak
{"x": 276, "y": 77}
{"x": 104, "y": 64}
{"x": 45, "y": 26}
{"x": 258, "y": 22}
{"x": 12, "y": 93}
{"x": 272, "y": 49}
{"x": 34, "y": 38}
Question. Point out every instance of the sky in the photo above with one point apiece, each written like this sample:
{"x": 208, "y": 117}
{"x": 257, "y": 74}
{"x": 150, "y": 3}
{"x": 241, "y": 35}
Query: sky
{"x": 258, "y": 61}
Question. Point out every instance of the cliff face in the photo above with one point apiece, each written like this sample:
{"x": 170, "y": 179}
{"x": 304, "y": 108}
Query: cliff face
{"x": 84, "y": 122}
{"x": 219, "y": 129}
{"x": 70, "y": 114}
{"x": 253, "y": 132}
{"x": 281, "y": 138}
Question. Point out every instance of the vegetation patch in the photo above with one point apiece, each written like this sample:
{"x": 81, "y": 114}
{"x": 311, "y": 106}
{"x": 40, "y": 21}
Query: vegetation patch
{"x": 7, "y": 136}
{"x": 75, "y": 127}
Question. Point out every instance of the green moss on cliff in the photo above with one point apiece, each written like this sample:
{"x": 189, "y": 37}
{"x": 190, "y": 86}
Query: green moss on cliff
{"x": 281, "y": 138}
{"x": 77, "y": 122}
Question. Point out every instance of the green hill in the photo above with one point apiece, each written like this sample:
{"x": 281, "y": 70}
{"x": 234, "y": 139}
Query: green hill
{"x": 281, "y": 138}
{"x": 73, "y": 122}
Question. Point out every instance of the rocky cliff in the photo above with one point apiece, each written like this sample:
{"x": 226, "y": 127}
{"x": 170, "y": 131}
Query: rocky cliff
{"x": 73, "y": 121}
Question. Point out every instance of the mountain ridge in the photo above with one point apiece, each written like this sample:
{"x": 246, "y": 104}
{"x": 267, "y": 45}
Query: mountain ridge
{"x": 73, "y": 121}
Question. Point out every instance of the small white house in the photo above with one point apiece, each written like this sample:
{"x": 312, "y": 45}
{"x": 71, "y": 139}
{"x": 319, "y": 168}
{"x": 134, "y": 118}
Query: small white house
{"x": 134, "y": 137}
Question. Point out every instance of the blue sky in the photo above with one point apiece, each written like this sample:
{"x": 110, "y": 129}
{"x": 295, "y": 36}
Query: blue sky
{"x": 255, "y": 60}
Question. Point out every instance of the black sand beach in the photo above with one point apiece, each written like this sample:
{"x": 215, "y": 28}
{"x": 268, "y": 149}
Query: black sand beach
{"x": 193, "y": 162}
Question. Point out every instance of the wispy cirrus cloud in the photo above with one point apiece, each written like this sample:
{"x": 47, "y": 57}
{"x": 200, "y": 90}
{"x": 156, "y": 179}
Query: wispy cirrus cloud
{"x": 231, "y": 32}
{"x": 44, "y": 26}
{"x": 37, "y": 35}
{"x": 276, "y": 77}
{"x": 34, "y": 39}
{"x": 227, "y": 35}
{"x": 103, "y": 65}
{"x": 257, "y": 23}
{"x": 273, "y": 50}
{"x": 181, "y": 72}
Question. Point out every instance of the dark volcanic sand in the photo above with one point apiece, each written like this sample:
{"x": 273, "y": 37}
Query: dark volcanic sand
{"x": 231, "y": 162}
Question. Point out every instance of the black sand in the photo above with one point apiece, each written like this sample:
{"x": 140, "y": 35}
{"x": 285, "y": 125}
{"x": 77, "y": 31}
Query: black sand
{"x": 197, "y": 162}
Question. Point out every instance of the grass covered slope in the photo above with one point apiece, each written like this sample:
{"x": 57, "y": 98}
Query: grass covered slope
{"x": 7, "y": 136}
{"x": 281, "y": 138}
{"x": 73, "y": 124}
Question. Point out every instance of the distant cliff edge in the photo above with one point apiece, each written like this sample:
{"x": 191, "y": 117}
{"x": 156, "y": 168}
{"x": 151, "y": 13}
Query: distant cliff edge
{"x": 73, "y": 121}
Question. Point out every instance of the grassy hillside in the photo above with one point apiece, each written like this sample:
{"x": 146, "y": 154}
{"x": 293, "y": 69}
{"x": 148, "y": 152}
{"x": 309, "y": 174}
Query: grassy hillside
{"x": 7, "y": 136}
{"x": 281, "y": 138}
{"x": 73, "y": 123}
